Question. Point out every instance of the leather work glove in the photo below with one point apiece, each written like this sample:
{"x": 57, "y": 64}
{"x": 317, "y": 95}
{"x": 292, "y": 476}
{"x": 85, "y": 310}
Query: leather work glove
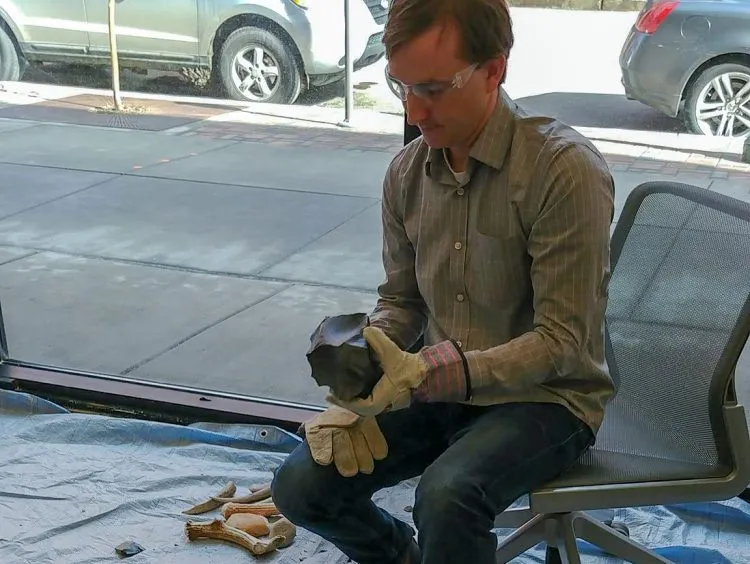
{"x": 353, "y": 443}
{"x": 437, "y": 373}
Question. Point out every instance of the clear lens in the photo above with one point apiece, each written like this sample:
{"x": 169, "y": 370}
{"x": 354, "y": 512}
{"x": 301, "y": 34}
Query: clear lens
{"x": 396, "y": 87}
{"x": 424, "y": 90}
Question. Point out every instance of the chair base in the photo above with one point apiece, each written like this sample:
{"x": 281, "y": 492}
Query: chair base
{"x": 560, "y": 531}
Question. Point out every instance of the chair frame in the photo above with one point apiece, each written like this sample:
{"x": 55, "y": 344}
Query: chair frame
{"x": 559, "y": 515}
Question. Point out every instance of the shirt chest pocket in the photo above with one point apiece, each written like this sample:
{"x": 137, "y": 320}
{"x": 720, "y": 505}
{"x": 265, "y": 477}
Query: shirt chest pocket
{"x": 497, "y": 259}
{"x": 498, "y": 268}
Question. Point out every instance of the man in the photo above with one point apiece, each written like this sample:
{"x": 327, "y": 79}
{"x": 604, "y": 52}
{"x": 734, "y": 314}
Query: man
{"x": 496, "y": 252}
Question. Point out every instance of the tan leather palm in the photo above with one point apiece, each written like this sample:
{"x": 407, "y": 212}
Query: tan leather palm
{"x": 351, "y": 442}
{"x": 402, "y": 371}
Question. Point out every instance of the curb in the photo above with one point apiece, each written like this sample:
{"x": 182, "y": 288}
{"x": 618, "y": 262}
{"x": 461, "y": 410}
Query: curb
{"x": 584, "y": 5}
{"x": 370, "y": 130}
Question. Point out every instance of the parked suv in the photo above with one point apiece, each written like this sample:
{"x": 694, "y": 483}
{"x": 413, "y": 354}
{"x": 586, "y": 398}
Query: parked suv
{"x": 259, "y": 50}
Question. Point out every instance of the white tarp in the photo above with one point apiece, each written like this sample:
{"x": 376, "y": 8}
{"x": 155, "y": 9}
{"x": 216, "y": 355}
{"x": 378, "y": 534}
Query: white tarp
{"x": 74, "y": 486}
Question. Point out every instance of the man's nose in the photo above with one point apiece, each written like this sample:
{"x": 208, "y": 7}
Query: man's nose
{"x": 416, "y": 108}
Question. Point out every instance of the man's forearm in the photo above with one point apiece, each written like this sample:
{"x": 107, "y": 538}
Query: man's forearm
{"x": 526, "y": 361}
{"x": 404, "y": 325}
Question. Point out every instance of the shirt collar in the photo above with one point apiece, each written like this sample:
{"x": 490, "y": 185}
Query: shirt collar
{"x": 492, "y": 145}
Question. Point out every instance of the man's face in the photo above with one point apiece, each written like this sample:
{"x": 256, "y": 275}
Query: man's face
{"x": 447, "y": 117}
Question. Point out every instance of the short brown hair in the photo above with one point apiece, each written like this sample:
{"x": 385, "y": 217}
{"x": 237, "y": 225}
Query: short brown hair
{"x": 484, "y": 26}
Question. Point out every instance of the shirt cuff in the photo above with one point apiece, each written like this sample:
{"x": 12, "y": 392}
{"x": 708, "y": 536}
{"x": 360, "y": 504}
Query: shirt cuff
{"x": 447, "y": 377}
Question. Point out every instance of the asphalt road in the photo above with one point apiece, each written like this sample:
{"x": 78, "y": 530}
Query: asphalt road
{"x": 563, "y": 63}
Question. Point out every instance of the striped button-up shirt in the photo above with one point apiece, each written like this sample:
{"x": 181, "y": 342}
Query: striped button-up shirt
{"x": 509, "y": 259}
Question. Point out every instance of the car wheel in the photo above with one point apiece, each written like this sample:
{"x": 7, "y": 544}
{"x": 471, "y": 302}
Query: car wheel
{"x": 718, "y": 102}
{"x": 10, "y": 62}
{"x": 256, "y": 66}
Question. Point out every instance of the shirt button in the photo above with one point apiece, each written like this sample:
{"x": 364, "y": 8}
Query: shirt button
{"x": 457, "y": 245}
{"x": 460, "y": 191}
{"x": 460, "y": 297}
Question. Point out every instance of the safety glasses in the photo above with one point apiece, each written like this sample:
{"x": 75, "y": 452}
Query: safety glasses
{"x": 428, "y": 90}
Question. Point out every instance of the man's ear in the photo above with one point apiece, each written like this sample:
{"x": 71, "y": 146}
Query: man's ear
{"x": 496, "y": 69}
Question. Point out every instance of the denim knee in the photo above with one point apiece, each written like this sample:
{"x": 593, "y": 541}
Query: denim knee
{"x": 443, "y": 497}
{"x": 287, "y": 489}
{"x": 295, "y": 488}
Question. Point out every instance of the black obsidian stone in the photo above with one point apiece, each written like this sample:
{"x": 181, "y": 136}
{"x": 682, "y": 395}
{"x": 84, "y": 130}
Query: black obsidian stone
{"x": 340, "y": 357}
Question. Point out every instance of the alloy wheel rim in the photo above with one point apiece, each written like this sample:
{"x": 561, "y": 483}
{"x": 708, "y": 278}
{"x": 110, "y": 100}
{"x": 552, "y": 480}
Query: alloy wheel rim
{"x": 723, "y": 108}
{"x": 255, "y": 73}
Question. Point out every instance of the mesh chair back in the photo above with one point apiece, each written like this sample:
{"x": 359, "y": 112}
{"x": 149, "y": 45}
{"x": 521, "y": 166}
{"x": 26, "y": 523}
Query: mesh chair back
{"x": 677, "y": 319}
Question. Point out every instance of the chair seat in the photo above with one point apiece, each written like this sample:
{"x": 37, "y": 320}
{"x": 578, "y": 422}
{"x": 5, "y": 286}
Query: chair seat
{"x": 600, "y": 467}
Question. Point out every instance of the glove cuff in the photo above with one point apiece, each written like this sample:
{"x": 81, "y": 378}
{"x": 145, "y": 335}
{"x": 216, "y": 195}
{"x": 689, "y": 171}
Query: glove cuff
{"x": 333, "y": 416}
{"x": 447, "y": 375}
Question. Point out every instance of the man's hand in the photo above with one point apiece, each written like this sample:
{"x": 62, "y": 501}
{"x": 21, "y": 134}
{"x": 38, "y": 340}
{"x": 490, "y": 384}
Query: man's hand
{"x": 402, "y": 371}
{"x": 353, "y": 443}
{"x": 436, "y": 373}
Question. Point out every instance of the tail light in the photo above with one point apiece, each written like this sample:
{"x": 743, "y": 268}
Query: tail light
{"x": 650, "y": 19}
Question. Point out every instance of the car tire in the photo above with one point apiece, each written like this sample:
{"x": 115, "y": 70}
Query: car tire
{"x": 10, "y": 62}
{"x": 260, "y": 50}
{"x": 702, "y": 90}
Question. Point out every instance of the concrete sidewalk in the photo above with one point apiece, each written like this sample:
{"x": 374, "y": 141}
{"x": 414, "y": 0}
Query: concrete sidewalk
{"x": 206, "y": 253}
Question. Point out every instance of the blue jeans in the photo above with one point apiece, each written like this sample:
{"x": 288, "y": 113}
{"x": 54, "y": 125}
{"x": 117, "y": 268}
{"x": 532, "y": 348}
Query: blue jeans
{"x": 474, "y": 462}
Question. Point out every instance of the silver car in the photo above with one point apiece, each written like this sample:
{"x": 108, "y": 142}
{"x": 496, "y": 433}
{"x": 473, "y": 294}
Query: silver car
{"x": 259, "y": 50}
